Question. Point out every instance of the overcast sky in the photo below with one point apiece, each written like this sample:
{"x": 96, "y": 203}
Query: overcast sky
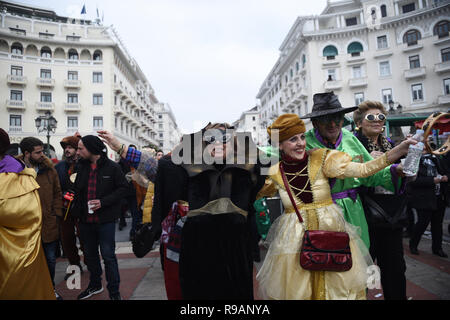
{"x": 206, "y": 58}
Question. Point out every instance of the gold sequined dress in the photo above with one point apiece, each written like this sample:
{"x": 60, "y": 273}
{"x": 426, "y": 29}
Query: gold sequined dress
{"x": 281, "y": 277}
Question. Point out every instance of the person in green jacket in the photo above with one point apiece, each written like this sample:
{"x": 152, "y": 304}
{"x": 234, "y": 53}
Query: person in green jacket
{"x": 327, "y": 117}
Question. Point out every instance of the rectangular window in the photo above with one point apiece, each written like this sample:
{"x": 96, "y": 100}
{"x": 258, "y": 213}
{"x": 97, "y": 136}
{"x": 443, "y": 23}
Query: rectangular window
{"x": 161, "y": 135}
{"x": 46, "y": 74}
{"x": 72, "y": 75}
{"x": 15, "y": 120}
{"x": 386, "y": 95}
{"x": 97, "y": 77}
{"x": 72, "y": 98}
{"x": 357, "y": 73}
{"x": 382, "y": 42}
{"x": 98, "y": 99}
{"x": 385, "y": 69}
{"x": 445, "y": 54}
{"x": 16, "y": 71}
{"x": 98, "y": 122}
{"x": 72, "y": 122}
{"x": 447, "y": 86}
{"x": 331, "y": 75}
{"x": 414, "y": 62}
{"x": 417, "y": 92}
{"x": 16, "y": 95}
{"x": 359, "y": 98}
{"x": 351, "y": 21}
{"x": 46, "y": 97}
{"x": 409, "y": 7}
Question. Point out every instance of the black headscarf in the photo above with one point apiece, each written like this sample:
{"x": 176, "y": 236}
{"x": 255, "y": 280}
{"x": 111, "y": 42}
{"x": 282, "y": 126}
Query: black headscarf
{"x": 94, "y": 145}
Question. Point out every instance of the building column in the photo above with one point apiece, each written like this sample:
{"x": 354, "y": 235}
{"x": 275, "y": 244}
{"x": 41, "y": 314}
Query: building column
{"x": 316, "y": 24}
{"x": 343, "y": 21}
{"x": 396, "y": 8}
{"x": 338, "y": 22}
{"x": 420, "y": 4}
{"x": 361, "y": 16}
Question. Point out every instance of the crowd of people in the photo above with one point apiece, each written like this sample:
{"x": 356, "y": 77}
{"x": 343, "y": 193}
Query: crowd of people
{"x": 332, "y": 183}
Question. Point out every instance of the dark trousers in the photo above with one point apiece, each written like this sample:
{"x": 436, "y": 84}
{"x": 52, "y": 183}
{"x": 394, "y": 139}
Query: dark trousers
{"x": 436, "y": 217}
{"x": 386, "y": 248}
{"x": 50, "y": 255}
{"x": 93, "y": 236}
{"x": 136, "y": 214}
{"x": 69, "y": 235}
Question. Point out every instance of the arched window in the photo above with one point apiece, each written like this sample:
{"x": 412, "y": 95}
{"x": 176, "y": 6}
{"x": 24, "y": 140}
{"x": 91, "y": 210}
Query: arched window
{"x": 383, "y": 10}
{"x": 17, "y": 48}
{"x": 98, "y": 55}
{"x": 441, "y": 29}
{"x": 330, "y": 52}
{"x": 73, "y": 54}
{"x": 46, "y": 52}
{"x": 4, "y": 46}
{"x": 355, "y": 48}
{"x": 411, "y": 37}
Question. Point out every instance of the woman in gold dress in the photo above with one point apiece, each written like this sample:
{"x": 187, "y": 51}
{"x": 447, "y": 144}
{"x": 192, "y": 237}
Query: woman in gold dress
{"x": 281, "y": 276}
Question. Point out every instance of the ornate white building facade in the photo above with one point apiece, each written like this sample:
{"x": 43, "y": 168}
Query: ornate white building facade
{"x": 169, "y": 134}
{"x": 250, "y": 121}
{"x": 384, "y": 50}
{"x": 78, "y": 70}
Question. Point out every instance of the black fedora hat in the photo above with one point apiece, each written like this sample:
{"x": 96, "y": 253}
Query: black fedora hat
{"x": 326, "y": 103}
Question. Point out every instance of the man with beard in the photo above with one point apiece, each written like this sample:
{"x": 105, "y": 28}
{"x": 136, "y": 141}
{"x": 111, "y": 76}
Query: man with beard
{"x": 50, "y": 196}
{"x": 69, "y": 226}
{"x": 99, "y": 188}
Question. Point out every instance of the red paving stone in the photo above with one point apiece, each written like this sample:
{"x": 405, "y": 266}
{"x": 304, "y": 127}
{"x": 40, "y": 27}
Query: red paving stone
{"x": 412, "y": 290}
{"x": 129, "y": 280}
{"x": 442, "y": 264}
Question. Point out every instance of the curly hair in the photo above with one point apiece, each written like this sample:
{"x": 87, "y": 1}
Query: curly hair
{"x": 358, "y": 114}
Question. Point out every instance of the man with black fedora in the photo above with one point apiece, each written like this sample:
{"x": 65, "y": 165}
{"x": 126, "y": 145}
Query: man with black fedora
{"x": 99, "y": 187}
{"x": 327, "y": 117}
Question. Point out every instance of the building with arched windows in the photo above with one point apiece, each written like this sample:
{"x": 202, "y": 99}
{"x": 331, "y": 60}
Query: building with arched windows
{"x": 385, "y": 50}
{"x": 77, "y": 69}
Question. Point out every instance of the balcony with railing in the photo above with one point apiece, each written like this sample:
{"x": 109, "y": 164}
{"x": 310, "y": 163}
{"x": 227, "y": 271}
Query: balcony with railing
{"x": 444, "y": 99}
{"x": 357, "y": 82}
{"x": 16, "y": 104}
{"x": 45, "y": 82}
{"x": 442, "y": 67}
{"x": 15, "y": 79}
{"x": 45, "y": 106}
{"x": 332, "y": 85}
{"x": 15, "y": 129}
{"x": 73, "y": 84}
{"x": 415, "y": 73}
{"x": 72, "y": 107}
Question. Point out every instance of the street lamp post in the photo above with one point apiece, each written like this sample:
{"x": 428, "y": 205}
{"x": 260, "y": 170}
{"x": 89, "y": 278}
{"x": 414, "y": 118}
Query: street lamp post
{"x": 46, "y": 123}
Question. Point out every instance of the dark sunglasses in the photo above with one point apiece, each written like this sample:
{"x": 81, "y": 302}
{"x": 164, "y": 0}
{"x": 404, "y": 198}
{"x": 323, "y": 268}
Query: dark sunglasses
{"x": 336, "y": 118}
{"x": 375, "y": 117}
{"x": 220, "y": 138}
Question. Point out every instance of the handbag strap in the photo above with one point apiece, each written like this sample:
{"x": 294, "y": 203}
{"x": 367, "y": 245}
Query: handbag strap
{"x": 288, "y": 190}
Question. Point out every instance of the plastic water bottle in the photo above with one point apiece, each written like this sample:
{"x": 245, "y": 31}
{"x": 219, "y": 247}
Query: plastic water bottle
{"x": 412, "y": 161}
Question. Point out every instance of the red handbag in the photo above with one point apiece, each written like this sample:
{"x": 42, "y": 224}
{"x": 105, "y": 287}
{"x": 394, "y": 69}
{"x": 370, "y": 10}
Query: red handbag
{"x": 322, "y": 250}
